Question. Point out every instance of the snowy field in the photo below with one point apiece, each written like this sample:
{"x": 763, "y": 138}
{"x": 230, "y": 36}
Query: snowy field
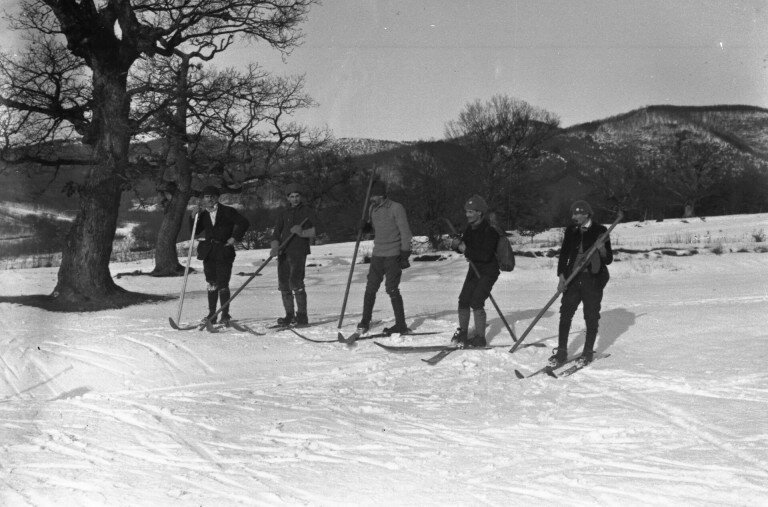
{"x": 117, "y": 408}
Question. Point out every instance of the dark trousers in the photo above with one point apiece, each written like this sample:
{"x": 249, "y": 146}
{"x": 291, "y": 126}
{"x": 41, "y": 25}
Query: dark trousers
{"x": 385, "y": 269}
{"x": 476, "y": 290}
{"x": 217, "y": 268}
{"x": 585, "y": 289}
{"x": 217, "y": 265}
{"x": 290, "y": 272}
{"x": 290, "y": 282}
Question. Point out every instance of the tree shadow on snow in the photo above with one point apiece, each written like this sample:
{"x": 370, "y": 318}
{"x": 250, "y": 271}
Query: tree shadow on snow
{"x": 53, "y": 304}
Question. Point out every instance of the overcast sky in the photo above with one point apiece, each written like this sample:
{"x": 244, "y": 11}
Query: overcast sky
{"x": 400, "y": 69}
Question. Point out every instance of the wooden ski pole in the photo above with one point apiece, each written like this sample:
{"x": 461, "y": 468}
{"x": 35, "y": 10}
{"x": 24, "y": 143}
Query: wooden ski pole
{"x": 208, "y": 321}
{"x": 354, "y": 254}
{"x": 599, "y": 241}
{"x": 186, "y": 273}
{"x": 490, "y": 296}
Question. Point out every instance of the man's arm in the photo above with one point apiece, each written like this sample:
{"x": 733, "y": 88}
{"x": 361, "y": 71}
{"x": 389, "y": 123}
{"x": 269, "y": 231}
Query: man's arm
{"x": 401, "y": 220}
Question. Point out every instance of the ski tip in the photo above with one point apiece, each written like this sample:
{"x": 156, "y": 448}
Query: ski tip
{"x": 173, "y": 323}
{"x": 518, "y": 374}
{"x": 340, "y": 337}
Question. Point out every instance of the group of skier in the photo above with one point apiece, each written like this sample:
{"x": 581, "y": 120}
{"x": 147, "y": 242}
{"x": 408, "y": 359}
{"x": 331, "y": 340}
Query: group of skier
{"x": 295, "y": 227}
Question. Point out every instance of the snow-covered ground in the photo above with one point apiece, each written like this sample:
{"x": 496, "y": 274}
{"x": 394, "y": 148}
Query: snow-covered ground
{"x": 117, "y": 408}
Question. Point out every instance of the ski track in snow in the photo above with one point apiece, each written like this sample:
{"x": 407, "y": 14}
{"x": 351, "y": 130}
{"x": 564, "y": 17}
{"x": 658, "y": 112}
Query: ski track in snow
{"x": 127, "y": 411}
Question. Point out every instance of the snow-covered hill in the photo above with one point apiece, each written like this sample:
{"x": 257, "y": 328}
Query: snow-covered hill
{"x": 117, "y": 408}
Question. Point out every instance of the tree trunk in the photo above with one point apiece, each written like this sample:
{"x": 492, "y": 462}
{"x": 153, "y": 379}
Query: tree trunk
{"x": 84, "y": 280}
{"x": 688, "y": 211}
{"x": 166, "y": 257}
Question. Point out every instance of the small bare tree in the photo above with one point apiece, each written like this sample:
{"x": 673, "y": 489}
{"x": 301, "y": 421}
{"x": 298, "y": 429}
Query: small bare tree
{"x": 506, "y": 135}
{"x": 693, "y": 171}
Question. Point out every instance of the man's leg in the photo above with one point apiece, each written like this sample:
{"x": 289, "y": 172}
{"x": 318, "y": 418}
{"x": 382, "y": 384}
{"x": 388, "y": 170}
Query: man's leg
{"x": 213, "y": 292}
{"x": 375, "y": 277}
{"x": 283, "y": 284}
{"x": 592, "y": 299}
{"x": 477, "y": 302}
{"x": 568, "y": 305}
{"x": 223, "y": 274}
{"x": 296, "y": 283}
{"x": 392, "y": 285}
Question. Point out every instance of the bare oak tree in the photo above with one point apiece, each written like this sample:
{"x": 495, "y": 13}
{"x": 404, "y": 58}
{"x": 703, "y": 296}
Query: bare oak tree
{"x": 109, "y": 37}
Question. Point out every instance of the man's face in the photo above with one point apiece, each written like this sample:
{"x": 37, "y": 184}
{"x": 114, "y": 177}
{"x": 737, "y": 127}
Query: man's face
{"x": 377, "y": 199}
{"x": 580, "y": 217}
{"x": 294, "y": 198}
{"x": 209, "y": 201}
{"x": 473, "y": 216}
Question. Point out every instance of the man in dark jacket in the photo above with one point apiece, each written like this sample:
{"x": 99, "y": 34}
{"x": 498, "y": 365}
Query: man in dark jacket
{"x": 222, "y": 226}
{"x": 478, "y": 244}
{"x": 587, "y": 286}
{"x": 292, "y": 260}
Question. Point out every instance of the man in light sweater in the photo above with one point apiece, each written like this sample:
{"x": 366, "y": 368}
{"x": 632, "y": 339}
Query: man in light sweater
{"x": 391, "y": 249}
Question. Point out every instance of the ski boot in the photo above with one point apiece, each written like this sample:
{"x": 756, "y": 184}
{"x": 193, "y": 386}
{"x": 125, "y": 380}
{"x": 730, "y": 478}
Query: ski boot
{"x": 396, "y": 329}
{"x": 558, "y": 358}
{"x": 288, "y": 320}
{"x": 363, "y": 327}
{"x": 459, "y": 338}
{"x": 477, "y": 341}
{"x": 302, "y": 319}
{"x": 585, "y": 358}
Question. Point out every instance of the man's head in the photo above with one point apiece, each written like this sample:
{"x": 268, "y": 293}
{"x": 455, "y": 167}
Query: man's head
{"x": 581, "y": 212}
{"x": 209, "y": 196}
{"x": 378, "y": 192}
{"x": 475, "y": 208}
{"x": 294, "y": 193}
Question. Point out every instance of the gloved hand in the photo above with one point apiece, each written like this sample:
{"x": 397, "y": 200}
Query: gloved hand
{"x": 274, "y": 245}
{"x": 561, "y": 283}
{"x": 402, "y": 259}
{"x": 296, "y": 229}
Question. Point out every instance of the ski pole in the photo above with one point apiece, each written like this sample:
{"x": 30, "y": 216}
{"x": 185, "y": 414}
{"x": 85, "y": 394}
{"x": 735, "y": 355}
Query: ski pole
{"x": 186, "y": 271}
{"x": 490, "y": 296}
{"x": 354, "y": 254}
{"x": 587, "y": 256}
{"x": 208, "y": 324}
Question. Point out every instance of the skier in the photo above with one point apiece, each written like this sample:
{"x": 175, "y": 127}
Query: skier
{"x": 391, "y": 250}
{"x": 222, "y": 226}
{"x": 292, "y": 260}
{"x": 478, "y": 244}
{"x": 586, "y": 287}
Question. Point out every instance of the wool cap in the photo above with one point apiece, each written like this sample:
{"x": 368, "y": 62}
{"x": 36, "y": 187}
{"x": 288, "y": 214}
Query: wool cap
{"x": 210, "y": 190}
{"x": 581, "y": 206}
{"x": 378, "y": 188}
{"x": 477, "y": 203}
{"x": 294, "y": 188}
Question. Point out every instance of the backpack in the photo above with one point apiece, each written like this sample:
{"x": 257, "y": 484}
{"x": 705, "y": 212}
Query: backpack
{"x": 504, "y": 253}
